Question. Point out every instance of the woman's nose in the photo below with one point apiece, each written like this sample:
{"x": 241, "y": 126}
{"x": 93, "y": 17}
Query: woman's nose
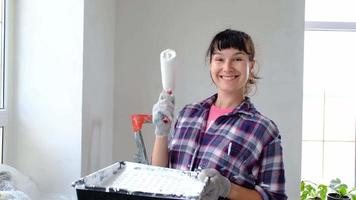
{"x": 228, "y": 66}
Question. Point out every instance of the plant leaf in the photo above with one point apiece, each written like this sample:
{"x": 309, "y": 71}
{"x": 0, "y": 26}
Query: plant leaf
{"x": 323, "y": 189}
{"x": 304, "y": 196}
{"x": 342, "y": 190}
{"x": 302, "y": 186}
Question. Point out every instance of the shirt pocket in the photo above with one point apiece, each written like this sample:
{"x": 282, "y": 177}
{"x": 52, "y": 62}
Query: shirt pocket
{"x": 237, "y": 155}
{"x": 233, "y": 153}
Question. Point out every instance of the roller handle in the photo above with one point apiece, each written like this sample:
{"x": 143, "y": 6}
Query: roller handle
{"x": 166, "y": 119}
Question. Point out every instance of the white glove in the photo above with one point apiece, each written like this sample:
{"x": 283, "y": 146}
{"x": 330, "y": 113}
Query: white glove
{"x": 163, "y": 113}
{"x": 217, "y": 185}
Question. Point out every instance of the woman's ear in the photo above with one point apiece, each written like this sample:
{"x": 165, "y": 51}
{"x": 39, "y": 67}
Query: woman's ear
{"x": 252, "y": 65}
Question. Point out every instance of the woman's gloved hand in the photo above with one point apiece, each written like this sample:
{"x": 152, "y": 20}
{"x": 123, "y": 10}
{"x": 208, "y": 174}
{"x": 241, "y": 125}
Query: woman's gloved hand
{"x": 217, "y": 185}
{"x": 163, "y": 113}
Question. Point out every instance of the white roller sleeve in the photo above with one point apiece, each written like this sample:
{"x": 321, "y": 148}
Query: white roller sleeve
{"x": 168, "y": 69}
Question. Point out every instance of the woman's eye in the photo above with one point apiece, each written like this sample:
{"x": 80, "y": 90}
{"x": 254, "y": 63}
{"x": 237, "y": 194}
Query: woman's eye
{"x": 219, "y": 59}
{"x": 238, "y": 59}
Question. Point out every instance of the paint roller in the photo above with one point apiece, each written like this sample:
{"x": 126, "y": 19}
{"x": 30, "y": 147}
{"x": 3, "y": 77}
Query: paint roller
{"x": 168, "y": 65}
{"x": 168, "y": 70}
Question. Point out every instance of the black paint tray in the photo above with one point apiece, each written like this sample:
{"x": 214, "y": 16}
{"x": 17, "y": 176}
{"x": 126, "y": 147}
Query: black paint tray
{"x": 130, "y": 181}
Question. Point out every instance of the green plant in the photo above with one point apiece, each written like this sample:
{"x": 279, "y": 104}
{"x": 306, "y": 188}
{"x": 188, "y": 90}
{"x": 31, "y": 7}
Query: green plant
{"x": 310, "y": 190}
{"x": 342, "y": 190}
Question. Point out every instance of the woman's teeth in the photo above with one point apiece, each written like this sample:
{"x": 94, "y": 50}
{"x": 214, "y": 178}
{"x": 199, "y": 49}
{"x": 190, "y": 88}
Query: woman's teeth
{"x": 228, "y": 77}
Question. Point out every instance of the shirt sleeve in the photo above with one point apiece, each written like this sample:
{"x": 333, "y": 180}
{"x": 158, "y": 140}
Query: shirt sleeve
{"x": 271, "y": 180}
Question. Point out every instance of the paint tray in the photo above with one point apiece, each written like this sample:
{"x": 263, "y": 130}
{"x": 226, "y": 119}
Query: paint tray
{"x": 130, "y": 181}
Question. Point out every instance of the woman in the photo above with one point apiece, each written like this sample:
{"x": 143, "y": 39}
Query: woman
{"x": 237, "y": 148}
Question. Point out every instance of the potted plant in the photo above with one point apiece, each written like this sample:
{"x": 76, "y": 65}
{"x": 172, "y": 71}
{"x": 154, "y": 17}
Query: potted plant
{"x": 341, "y": 191}
{"x": 310, "y": 190}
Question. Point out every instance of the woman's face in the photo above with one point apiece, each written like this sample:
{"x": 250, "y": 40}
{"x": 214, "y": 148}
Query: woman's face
{"x": 230, "y": 70}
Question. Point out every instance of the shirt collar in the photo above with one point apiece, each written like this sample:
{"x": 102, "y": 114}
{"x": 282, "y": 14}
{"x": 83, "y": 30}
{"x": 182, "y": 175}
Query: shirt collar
{"x": 246, "y": 107}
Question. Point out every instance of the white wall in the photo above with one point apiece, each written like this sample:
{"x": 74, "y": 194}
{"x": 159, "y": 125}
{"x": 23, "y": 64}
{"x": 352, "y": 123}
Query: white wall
{"x": 45, "y": 140}
{"x": 98, "y": 84}
{"x": 144, "y": 28}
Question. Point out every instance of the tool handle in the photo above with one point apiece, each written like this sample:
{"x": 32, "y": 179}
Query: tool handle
{"x": 138, "y": 120}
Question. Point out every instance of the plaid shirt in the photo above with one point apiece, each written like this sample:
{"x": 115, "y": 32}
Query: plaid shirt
{"x": 243, "y": 145}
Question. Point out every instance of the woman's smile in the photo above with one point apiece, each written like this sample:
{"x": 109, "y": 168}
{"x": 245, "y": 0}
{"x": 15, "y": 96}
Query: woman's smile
{"x": 228, "y": 77}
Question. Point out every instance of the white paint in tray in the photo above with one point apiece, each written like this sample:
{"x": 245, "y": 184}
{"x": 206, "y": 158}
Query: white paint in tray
{"x": 150, "y": 180}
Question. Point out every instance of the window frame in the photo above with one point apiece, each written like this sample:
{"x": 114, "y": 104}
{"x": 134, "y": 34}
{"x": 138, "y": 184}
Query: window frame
{"x": 337, "y": 27}
{"x": 4, "y": 108}
{"x": 330, "y": 26}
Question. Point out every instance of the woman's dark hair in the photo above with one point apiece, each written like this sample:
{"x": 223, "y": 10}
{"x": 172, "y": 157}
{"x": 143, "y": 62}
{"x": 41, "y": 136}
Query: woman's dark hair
{"x": 238, "y": 40}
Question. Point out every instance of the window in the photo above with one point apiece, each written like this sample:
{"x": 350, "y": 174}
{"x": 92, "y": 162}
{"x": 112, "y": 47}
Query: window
{"x": 3, "y": 111}
{"x": 329, "y": 99}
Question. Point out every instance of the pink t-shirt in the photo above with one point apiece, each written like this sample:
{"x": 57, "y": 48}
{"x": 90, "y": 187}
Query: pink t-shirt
{"x": 216, "y": 112}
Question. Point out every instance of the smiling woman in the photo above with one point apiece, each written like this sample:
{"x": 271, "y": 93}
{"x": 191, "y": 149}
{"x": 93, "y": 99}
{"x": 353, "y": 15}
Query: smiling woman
{"x": 237, "y": 148}
{"x": 145, "y": 28}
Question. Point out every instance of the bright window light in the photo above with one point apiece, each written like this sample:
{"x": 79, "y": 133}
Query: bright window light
{"x": 329, "y": 106}
{"x": 330, "y": 10}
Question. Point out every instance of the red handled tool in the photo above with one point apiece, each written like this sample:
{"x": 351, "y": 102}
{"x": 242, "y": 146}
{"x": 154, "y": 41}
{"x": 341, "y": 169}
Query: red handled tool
{"x": 137, "y": 122}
